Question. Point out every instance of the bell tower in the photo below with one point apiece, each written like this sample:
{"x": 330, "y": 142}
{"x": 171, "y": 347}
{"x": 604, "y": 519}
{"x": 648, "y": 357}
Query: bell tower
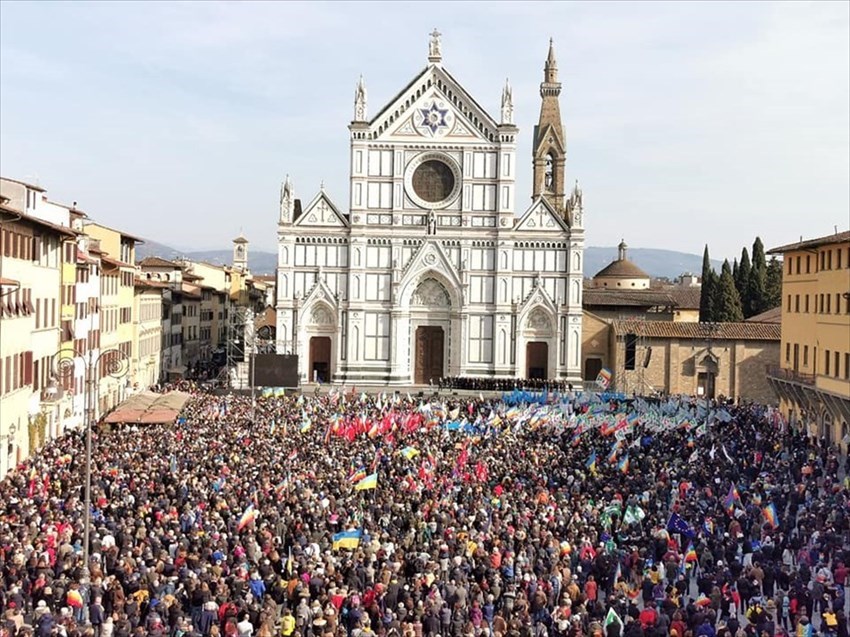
{"x": 240, "y": 253}
{"x": 549, "y": 150}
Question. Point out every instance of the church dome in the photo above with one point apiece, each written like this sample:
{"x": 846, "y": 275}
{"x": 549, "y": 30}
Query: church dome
{"x": 622, "y": 273}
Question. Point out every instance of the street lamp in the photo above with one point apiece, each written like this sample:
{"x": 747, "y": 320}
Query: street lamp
{"x": 114, "y": 363}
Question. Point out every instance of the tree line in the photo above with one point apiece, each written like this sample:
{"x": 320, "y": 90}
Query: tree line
{"x": 741, "y": 290}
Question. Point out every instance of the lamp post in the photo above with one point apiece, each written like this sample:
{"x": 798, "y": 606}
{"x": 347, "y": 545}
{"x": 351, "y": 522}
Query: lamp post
{"x": 115, "y": 363}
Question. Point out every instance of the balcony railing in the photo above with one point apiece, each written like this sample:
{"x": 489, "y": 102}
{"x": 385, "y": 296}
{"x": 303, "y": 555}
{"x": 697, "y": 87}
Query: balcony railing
{"x": 781, "y": 373}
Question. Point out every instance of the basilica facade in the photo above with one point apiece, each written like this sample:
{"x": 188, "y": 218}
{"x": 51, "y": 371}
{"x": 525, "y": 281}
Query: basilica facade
{"x": 430, "y": 270}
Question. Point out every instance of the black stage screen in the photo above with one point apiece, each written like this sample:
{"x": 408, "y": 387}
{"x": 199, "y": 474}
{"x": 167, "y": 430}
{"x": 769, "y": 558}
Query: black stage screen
{"x": 276, "y": 370}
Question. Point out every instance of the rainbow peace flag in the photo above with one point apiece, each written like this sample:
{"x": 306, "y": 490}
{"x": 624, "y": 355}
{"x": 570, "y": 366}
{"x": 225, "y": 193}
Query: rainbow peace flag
{"x": 623, "y": 465}
{"x": 247, "y": 517}
{"x": 691, "y": 553}
{"x": 603, "y": 379}
{"x": 358, "y": 475}
{"x": 732, "y": 498}
{"x": 770, "y": 515}
{"x": 369, "y": 482}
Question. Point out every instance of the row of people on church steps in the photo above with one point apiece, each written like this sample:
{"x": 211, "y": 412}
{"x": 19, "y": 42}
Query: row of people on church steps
{"x": 503, "y": 384}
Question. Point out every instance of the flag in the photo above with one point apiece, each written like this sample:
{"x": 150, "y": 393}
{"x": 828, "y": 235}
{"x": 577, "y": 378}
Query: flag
{"x": 708, "y": 526}
{"x": 173, "y": 466}
{"x": 591, "y": 461}
{"x": 691, "y": 553}
{"x": 603, "y": 379}
{"x": 612, "y": 455}
{"x": 613, "y": 618}
{"x": 770, "y": 515}
{"x": 247, "y": 517}
{"x": 731, "y": 499}
{"x": 623, "y": 465}
{"x": 677, "y": 524}
{"x": 347, "y": 539}
{"x": 358, "y": 475}
{"x": 369, "y": 482}
{"x": 410, "y": 452}
{"x": 289, "y": 562}
{"x": 618, "y": 573}
{"x": 633, "y": 515}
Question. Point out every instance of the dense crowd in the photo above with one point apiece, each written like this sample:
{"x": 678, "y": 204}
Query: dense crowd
{"x": 502, "y": 384}
{"x": 573, "y": 519}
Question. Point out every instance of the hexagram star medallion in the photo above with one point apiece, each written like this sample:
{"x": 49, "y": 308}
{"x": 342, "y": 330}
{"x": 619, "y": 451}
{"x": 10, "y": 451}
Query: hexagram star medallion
{"x": 434, "y": 118}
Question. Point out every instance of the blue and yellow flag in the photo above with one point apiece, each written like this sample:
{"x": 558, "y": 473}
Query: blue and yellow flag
{"x": 347, "y": 539}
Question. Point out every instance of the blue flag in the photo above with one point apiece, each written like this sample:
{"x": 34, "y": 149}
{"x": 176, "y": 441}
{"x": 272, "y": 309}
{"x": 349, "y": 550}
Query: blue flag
{"x": 677, "y": 524}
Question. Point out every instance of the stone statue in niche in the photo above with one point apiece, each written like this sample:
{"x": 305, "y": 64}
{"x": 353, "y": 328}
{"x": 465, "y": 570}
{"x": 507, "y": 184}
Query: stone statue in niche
{"x": 430, "y": 293}
{"x": 432, "y": 222}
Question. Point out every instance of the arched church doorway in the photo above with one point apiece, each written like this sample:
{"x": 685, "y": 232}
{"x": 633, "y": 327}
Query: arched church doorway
{"x": 536, "y": 360}
{"x": 320, "y": 359}
{"x": 428, "y": 365}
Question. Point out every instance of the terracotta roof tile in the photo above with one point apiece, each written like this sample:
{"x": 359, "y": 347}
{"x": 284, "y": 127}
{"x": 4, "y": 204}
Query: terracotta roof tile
{"x": 622, "y": 268}
{"x": 157, "y": 262}
{"x": 742, "y": 331}
{"x": 838, "y": 237}
{"x": 632, "y": 298}
{"x": 773, "y": 315}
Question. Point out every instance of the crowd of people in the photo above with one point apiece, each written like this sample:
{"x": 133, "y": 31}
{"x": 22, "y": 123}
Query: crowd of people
{"x": 473, "y": 383}
{"x": 353, "y": 515}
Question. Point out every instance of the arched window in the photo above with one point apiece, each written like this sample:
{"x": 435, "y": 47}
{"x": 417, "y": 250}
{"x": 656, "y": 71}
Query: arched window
{"x": 549, "y": 179}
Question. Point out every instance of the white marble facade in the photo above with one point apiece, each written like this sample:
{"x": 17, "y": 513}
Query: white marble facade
{"x": 430, "y": 271}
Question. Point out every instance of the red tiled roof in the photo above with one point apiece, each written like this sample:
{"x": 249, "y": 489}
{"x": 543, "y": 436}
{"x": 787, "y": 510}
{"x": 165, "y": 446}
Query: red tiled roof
{"x": 157, "y": 262}
{"x": 773, "y": 315}
{"x": 632, "y": 298}
{"x": 5, "y": 281}
{"x": 741, "y": 331}
{"x": 838, "y": 237}
{"x": 621, "y": 269}
{"x": 685, "y": 298}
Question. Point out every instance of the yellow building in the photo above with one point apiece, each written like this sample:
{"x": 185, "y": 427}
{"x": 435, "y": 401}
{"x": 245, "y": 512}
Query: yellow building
{"x": 813, "y": 377}
{"x": 147, "y": 333}
{"x": 31, "y": 264}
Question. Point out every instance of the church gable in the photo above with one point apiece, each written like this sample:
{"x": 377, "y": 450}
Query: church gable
{"x": 433, "y": 106}
{"x": 540, "y": 217}
{"x": 538, "y": 302}
{"x": 430, "y": 256}
{"x": 321, "y": 212}
{"x": 548, "y": 139}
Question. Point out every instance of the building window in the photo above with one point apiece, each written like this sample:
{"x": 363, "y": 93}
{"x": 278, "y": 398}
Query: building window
{"x": 808, "y": 263}
{"x": 847, "y": 367}
{"x": 805, "y": 355}
{"x": 826, "y": 361}
{"x": 838, "y": 303}
{"x": 797, "y": 303}
{"x": 789, "y": 266}
{"x": 837, "y": 364}
{"x": 377, "y": 334}
{"x": 828, "y": 303}
{"x": 829, "y": 259}
{"x": 838, "y": 259}
{"x": 807, "y": 304}
{"x": 789, "y": 303}
{"x": 799, "y": 260}
{"x": 481, "y": 339}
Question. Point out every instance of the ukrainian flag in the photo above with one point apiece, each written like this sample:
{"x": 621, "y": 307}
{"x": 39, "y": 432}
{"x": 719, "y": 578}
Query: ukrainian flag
{"x": 410, "y": 452}
{"x": 590, "y": 463}
{"x": 369, "y": 482}
{"x": 347, "y": 539}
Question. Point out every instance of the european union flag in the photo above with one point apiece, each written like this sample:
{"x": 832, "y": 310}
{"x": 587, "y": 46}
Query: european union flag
{"x": 677, "y": 524}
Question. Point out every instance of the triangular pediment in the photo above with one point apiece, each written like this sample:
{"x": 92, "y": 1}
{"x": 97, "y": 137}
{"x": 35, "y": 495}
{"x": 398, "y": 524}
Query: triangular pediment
{"x": 430, "y": 257}
{"x": 433, "y": 106}
{"x": 538, "y": 298}
{"x": 548, "y": 139}
{"x": 320, "y": 294}
{"x": 541, "y": 217}
{"x": 321, "y": 212}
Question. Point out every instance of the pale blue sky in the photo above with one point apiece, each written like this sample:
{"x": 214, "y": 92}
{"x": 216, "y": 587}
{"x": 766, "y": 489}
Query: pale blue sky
{"x": 686, "y": 122}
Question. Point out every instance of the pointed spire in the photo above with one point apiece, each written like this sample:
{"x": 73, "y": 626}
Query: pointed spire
{"x": 550, "y": 69}
{"x": 287, "y": 200}
{"x": 507, "y": 104}
{"x": 360, "y": 101}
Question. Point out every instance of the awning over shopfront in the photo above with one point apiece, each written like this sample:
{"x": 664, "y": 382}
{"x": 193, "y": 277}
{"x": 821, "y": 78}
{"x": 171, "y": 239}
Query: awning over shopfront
{"x": 149, "y": 408}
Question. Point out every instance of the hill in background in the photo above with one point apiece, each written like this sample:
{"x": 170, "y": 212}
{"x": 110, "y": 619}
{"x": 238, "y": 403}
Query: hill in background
{"x": 657, "y": 263}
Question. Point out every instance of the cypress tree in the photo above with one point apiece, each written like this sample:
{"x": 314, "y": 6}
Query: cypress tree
{"x": 706, "y": 298}
{"x": 773, "y": 284}
{"x": 756, "y": 281}
{"x": 743, "y": 277}
{"x": 735, "y": 271}
{"x": 727, "y": 302}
